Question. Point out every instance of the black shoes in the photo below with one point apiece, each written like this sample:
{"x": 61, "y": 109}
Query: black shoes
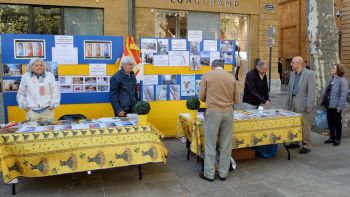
{"x": 336, "y": 143}
{"x": 201, "y": 175}
{"x": 329, "y": 141}
{"x": 304, "y": 151}
{"x": 292, "y": 146}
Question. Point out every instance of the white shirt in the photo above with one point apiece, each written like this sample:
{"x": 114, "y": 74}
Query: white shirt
{"x": 38, "y": 93}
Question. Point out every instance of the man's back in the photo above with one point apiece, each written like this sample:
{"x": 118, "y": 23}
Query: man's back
{"x": 219, "y": 91}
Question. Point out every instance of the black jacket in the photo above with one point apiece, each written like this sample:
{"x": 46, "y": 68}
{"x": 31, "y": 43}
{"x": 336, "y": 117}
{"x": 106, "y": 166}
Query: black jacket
{"x": 256, "y": 90}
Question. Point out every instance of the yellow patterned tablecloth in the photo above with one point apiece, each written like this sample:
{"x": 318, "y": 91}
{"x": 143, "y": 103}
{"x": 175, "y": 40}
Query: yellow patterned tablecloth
{"x": 246, "y": 133}
{"x": 52, "y": 153}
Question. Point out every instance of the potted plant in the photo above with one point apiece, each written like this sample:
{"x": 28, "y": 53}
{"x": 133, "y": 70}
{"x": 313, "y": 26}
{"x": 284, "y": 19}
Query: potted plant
{"x": 142, "y": 109}
{"x": 193, "y": 105}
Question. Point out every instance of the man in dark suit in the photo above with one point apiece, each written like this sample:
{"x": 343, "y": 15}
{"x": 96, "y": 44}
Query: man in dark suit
{"x": 256, "y": 90}
{"x": 301, "y": 99}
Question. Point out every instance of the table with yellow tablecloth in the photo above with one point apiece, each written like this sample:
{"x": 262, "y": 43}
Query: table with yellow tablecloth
{"x": 49, "y": 153}
{"x": 246, "y": 132}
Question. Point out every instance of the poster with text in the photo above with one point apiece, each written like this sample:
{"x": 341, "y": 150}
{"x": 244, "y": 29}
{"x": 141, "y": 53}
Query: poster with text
{"x": 179, "y": 58}
{"x": 178, "y": 44}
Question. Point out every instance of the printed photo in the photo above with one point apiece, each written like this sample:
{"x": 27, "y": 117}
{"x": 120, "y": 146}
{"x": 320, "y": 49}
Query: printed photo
{"x": 26, "y": 49}
{"x": 226, "y": 45}
{"x": 97, "y": 49}
{"x": 227, "y": 57}
{"x": 163, "y": 47}
{"x": 205, "y": 58}
{"x": 103, "y": 80}
{"x": 12, "y": 69}
{"x": 195, "y": 47}
{"x": 147, "y": 58}
{"x": 198, "y": 86}
{"x": 148, "y": 93}
{"x": 78, "y": 88}
{"x": 65, "y": 80}
{"x": 103, "y": 88}
{"x": 161, "y": 92}
{"x": 90, "y": 80}
{"x": 78, "y": 80}
{"x": 188, "y": 85}
{"x": 174, "y": 92}
{"x": 195, "y": 62}
{"x": 169, "y": 79}
{"x": 148, "y": 45}
{"x": 52, "y": 67}
{"x": 11, "y": 85}
{"x": 90, "y": 88}
{"x": 66, "y": 89}
{"x": 179, "y": 58}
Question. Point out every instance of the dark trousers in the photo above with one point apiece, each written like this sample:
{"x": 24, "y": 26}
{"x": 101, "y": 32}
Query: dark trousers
{"x": 334, "y": 124}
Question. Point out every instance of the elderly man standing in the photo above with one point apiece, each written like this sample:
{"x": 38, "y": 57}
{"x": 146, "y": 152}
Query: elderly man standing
{"x": 219, "y": 91}
{"x": 256, "y": 89}
{"x": 301, "y": 99}
{"x": 123, "y": 90}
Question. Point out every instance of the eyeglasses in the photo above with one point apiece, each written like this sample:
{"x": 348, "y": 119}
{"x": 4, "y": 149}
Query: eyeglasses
{"x": 39, "y": 65}
{"x": 295, "y": 63}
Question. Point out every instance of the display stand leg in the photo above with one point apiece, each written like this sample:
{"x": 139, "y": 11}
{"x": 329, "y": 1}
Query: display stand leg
{"x": 13, "y": 189}
{"x": 285, "y": 146}
{"x": 188, "y": 146}
{"x": 140, "y": 172}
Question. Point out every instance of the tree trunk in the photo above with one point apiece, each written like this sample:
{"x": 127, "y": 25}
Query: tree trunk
{"x": 323, "y": 40}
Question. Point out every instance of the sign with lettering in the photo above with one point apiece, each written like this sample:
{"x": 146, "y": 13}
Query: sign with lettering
{"x": 212, "y": 3}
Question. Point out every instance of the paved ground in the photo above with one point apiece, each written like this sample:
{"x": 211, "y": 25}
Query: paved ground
{"x": 323, "y": 172}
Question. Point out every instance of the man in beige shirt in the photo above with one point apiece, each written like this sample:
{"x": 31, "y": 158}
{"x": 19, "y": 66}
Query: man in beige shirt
{"x": 219, "y": 92}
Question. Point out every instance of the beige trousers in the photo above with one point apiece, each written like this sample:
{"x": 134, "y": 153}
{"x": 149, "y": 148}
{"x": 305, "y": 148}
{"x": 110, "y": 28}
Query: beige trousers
{"x": 306, "y": 143}
{"x": 46, "y": 115}
{"x": 217, "y": 127}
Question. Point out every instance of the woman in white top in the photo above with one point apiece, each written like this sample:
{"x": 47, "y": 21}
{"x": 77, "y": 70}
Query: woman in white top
{"x": 38, "y": 93}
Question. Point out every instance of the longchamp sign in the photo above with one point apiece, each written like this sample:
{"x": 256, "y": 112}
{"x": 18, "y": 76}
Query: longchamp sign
{"x": 212, "y": 3}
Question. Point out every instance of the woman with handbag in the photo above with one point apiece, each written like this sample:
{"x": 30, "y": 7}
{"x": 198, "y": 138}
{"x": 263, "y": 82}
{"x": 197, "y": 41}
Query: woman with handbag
{"x": 334, "y": 99}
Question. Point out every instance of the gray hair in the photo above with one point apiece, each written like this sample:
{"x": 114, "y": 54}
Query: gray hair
{"x": 127, "y": 60}
{"x": 217, "y": 63}
{"x": 32, "y": 63}
{"x": 261, "y": 64}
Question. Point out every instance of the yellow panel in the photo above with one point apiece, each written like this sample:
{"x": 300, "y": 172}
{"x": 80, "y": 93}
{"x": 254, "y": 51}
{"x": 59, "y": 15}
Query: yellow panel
{"x": 83, "y": 70}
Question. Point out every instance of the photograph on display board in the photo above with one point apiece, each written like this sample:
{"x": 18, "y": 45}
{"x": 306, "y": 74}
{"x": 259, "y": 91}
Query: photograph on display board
{"x": 205, "y": 58}
{"x": 77, "y": 80}
{"x": 65, "y": 80}
{"x": 195, "y": 62}
{"x": 10, "y": 85}
{"x": 188, "y": 85}
{"x": 52, "y": 67}
{"x": 103, "y": 88}
{"x": 149, "y": 45}
{"x": 148, "y": 93}
{"x": 214, "y": 55}
{"x": 198, "y": 86}
{"x": 103, "y": 80}
{"x": 163, "y": 46}
{"x": 161, "y": 92}
{"x": 90, "y": 88}
{"x": 90, "y": 80}
{"x": 97, "y": 49}
{"x": 26, "y": 49}
{"x": 147, "y": 58}
{"x": 168, "y": 79}
{"x": 78, "y": 88}
{"x": 226, "y": 45}
{"x": 174, "y": 92}
{"x": 195, "y": 47}
{"x": 12, "y": 69}
{"x": 179, "y": 58}
{"x": 227, "y": 57}
{"x": 66, "y": 89}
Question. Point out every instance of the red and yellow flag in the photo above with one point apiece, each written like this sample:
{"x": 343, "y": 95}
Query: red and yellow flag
{"x": 131, "y": 49}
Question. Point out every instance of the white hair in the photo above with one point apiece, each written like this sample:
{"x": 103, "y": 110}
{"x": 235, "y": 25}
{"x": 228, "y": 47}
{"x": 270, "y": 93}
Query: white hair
{"x": 127, "y": 60}
{"x": 32, "y": 63}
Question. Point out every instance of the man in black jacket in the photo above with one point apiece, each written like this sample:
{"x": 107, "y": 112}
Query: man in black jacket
{"x": 256, "y": 90}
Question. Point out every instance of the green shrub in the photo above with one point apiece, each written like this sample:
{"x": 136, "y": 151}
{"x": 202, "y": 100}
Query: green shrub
{"x": 193, "y": 104}
{"x": 142, "y": 108}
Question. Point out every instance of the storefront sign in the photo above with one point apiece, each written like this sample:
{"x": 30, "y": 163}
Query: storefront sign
{"x": 212, "y": 3}
{"x": 269, "y": 7}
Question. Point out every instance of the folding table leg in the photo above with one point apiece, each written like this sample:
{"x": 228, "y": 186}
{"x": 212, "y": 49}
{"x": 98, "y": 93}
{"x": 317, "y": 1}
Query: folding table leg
{"x": 285, "y": 146}
{"x": 13, "y": 189}
{"x": 188, "y": 146}
{"x": 140, "y": 172}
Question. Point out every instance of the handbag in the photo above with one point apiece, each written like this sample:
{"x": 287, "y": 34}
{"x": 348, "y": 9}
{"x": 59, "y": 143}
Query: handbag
{"x": 321, "y": 119}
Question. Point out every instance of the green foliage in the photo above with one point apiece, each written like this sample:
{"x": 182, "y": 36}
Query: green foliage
{"x": 193, "y": 104}
{"x": 142, "y": 108}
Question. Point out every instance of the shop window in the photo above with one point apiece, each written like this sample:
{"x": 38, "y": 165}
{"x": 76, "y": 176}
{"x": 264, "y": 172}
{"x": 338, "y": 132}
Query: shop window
{"x": 47, "y": 20}
{"x": 83, "y": 21}
{"x": 170, "y": 24}
{"x": 210, "y": 27}
{"x": 14, "y": 19}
